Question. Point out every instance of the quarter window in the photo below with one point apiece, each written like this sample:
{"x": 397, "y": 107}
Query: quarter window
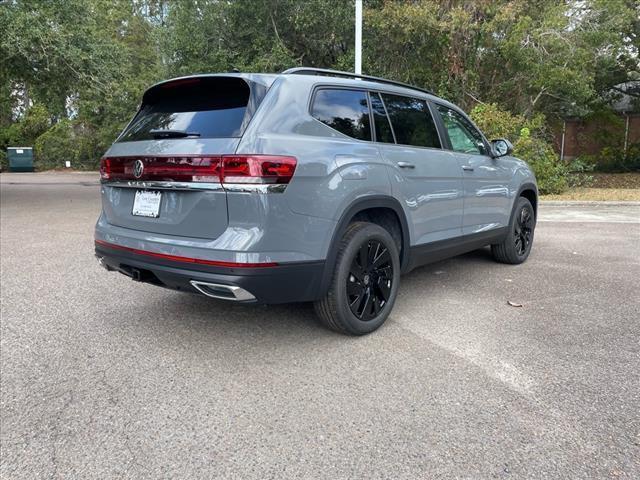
{"x": 463, "y": 135}
{"x": 412, "y": 121}
{"x": 347, "y": 111}
{"x": 380, "y": 120}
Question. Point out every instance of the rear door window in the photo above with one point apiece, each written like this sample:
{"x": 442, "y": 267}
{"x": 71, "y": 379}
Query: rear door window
{"x": 411, "y": 120}
{"x": 346, "y": 111}
{"x": 206, "y": 107}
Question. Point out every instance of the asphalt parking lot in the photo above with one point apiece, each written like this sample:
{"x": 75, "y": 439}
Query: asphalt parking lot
{"x": 103, "y": 378}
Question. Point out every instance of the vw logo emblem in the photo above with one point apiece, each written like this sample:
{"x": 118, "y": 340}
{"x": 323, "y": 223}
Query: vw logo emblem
{"x": 138, "y": 168}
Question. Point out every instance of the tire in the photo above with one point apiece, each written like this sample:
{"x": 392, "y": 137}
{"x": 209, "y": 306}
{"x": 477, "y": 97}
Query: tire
{"x": 516, "y": 246}
{"x": 365, "y": 281}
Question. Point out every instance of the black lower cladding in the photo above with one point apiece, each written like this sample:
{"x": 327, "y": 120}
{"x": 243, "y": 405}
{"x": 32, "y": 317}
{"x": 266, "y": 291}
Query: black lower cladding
{"x": 443, "y": 249}
{"x": 294, "y": 282}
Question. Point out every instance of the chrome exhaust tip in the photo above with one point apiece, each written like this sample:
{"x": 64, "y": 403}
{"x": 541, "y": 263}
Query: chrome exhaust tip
{"x": 103, "y": 264}
{"x": 223, "y": 292}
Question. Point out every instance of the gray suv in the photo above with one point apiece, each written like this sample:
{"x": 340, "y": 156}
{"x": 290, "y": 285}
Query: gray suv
{"x": 311, "y": 185}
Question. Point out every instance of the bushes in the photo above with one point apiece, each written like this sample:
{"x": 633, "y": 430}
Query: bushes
{"x": 614, "y": 159}
{"x": 529, "y": 141}
{"x": 55, "y": 146}
{"x": 551, "y": 174}
{"x": 24, "y": 132}
{"x": 67, "y": 141}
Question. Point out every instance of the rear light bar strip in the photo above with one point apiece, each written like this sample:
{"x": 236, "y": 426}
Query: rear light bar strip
{"x": 176, "y": 258}
{"x": 226, "y": 169}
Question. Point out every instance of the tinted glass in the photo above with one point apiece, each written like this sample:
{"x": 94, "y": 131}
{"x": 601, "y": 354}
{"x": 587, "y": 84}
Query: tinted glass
{"x": 344, "y": 110}
{"x": 464, "y": 137}
{"x": 411, "y": 120}
{"x": 210, "y": 107}
{"x": 380, "y": 120}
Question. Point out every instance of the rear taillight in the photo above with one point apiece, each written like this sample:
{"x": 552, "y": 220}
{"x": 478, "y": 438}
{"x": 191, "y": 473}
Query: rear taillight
{"x": 257, "y": 169}
{"x": 105, "y": 168}
{"x": 176, "y": 169}
{"x": 223, "y": 169}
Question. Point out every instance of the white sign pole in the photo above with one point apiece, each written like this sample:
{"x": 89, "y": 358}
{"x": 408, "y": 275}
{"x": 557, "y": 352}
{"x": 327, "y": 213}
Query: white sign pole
{"x": 358, "y": 37}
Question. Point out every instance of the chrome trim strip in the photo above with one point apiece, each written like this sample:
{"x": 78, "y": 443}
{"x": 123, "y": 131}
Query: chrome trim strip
{"x": 190, "y": 186}
{"x": 255, "y": 187}
{"x": 239, "y": 294}
{"x": 195, "y": 186}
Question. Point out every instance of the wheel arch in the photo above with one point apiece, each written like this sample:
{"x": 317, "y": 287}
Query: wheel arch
{"x": 360, "y": 207}
{"x": 530, "y": 192}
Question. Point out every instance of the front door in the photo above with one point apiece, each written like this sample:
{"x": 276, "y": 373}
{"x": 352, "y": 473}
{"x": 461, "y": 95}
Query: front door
{"x": 485, "y": 179}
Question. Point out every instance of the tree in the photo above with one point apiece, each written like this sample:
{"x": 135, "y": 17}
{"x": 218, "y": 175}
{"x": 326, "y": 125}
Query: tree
{"x": 89, "y": 61}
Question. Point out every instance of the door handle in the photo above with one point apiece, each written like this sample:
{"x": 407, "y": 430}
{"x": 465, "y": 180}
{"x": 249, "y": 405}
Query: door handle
{"x": 467, "y": 168}
{"x": 406, "y": 165}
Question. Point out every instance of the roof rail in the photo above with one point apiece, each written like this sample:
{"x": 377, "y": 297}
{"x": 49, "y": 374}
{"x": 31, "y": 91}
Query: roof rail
{"x": 338, "y": 73}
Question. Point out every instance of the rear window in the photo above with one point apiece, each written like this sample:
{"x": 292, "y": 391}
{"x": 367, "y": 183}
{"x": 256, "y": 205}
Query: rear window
{"x": 346, "y": 111}
{"x": 208, "y": 107}
{"x": 411, "y": 120}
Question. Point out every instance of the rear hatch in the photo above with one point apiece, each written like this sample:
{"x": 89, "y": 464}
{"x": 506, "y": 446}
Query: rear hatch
{"x": 161, "y": 174}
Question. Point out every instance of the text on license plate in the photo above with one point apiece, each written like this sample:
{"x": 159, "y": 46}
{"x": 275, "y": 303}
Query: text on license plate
{"x": 147, "y": 203}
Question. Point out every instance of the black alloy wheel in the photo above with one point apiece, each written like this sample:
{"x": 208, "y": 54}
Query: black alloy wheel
{"x": 523, "y": 230}
{"x": 370, "y": 280}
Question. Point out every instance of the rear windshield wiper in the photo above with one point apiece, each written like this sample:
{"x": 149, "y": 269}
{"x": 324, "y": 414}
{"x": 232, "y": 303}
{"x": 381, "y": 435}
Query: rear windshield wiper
{"x": 172, "y": 133}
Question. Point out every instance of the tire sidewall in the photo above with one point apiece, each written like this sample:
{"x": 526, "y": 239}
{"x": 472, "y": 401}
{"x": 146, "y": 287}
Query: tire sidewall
{"x": 369, "y": 232}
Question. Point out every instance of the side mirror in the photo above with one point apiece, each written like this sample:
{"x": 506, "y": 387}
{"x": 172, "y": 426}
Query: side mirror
{"x": 501, "y": 147}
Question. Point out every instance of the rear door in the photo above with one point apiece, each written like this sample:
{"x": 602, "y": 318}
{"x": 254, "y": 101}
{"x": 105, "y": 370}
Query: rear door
{"x": 171, "y": 151}
{"x": 486, "y": 180}
{"x": 426, "y": 178}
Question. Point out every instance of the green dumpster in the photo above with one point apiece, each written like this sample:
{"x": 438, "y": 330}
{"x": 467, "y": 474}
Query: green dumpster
{"x": 20, "y": 159}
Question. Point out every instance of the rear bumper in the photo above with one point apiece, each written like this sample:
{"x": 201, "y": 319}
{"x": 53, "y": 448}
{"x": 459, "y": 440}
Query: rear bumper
{"x": 284, "y": 283}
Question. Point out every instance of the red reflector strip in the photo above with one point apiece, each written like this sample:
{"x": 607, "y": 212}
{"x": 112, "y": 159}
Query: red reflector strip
{"x": 175, "y": 258}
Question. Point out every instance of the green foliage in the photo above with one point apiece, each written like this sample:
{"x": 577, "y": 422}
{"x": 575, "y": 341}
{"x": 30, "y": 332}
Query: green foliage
{"x": 55, "y": 146}
{"x": 579, "y": 173}
{"x": 89, "y": 61}
{"x": 25, "y": 131}
{"x": 529, "y": 142}
{"x": 498, "y": 123}
{"x": 614, "y": 159}
{"x": 551, "y": 174}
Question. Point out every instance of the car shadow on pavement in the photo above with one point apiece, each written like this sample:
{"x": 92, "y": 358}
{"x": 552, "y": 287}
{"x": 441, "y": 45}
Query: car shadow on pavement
{"x": 219, "y": 318}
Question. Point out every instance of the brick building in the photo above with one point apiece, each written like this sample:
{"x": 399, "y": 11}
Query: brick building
{"x": 578, "y": 136}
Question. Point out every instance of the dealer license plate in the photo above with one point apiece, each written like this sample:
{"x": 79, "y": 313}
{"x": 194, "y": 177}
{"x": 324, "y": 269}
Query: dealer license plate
{"x": 147, "y": 204}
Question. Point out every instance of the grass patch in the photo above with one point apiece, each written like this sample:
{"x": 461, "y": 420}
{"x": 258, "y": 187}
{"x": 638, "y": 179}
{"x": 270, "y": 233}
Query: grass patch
{"x": 597, "y": 194}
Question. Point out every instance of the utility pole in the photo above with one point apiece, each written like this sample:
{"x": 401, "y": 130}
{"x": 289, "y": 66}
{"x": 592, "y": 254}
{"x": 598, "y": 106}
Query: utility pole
{"x": 358, "y": 37}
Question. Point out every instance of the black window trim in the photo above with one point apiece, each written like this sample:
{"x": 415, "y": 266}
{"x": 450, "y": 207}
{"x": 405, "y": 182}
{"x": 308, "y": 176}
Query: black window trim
{"x": 386, "y": 114}
{"x": 466, "y": 117}
{"x": 372, "y": 127}
{"x": 323, "y": 86}
{"x": 332, "y": 86}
